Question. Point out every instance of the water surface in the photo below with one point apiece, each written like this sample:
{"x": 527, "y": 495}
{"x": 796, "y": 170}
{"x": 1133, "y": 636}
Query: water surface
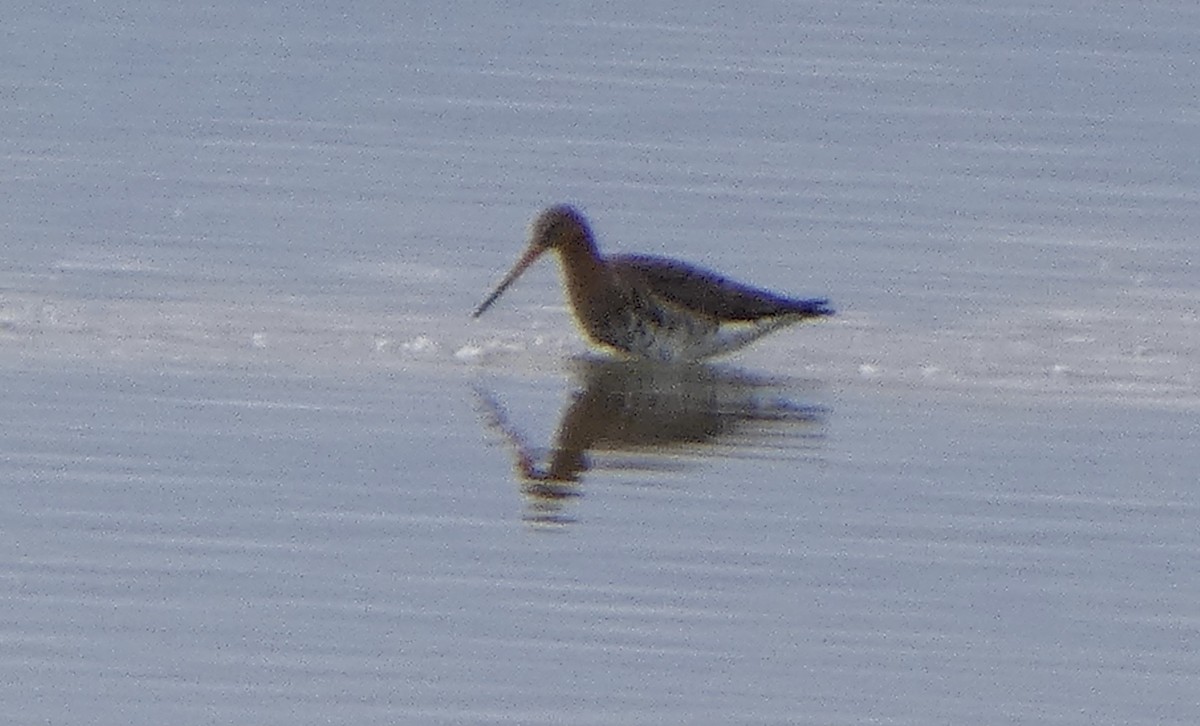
{"x": 261, "y": 465}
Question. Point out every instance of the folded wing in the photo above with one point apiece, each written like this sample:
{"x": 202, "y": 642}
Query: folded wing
{"x": 712, "y": 295}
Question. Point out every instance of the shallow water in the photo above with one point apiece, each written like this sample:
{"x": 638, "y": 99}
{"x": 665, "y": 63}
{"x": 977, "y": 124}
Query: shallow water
{"x": 262, "y": 466}
{"x": 205, "y": 546}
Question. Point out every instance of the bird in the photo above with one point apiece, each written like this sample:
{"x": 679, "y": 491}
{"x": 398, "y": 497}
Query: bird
{"x": 649, "y": 307}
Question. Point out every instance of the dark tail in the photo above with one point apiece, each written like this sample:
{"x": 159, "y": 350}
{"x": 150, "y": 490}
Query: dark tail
{"x": 815, "y": 308}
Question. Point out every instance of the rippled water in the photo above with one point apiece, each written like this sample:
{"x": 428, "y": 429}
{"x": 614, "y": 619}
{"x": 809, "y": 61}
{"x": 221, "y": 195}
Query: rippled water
{"x": 262, "y": 466}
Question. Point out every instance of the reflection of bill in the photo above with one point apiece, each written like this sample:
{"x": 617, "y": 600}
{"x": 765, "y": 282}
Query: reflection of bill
{"x": 650, "y": 411}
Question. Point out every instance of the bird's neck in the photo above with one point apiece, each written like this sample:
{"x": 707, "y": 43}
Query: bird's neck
{"x": 585, "y": 275}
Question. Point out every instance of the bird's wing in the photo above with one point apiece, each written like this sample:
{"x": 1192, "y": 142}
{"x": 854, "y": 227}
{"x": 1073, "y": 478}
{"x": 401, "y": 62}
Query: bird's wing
{"x": 710, "y": 294}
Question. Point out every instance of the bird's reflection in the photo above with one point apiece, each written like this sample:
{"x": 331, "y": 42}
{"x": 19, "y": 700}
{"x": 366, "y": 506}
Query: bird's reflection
{"x": 647, "y": 412}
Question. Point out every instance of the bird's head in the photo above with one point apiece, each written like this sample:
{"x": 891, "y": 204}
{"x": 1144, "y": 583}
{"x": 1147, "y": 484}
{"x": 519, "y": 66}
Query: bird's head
{"x": 556, "y": 228}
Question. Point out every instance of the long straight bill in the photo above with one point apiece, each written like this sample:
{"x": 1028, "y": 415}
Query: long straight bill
{"x": 526, "y": 260}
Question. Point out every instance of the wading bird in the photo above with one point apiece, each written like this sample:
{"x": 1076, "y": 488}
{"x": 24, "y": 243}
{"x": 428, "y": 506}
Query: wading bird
{"x": 653, "y": 307}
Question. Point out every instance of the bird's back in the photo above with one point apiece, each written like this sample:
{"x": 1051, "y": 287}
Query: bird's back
{"x": 707, "y": 294}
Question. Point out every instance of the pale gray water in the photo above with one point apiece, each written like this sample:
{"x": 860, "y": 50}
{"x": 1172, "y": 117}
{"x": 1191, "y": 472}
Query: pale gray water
{"x": 259, "y": 463}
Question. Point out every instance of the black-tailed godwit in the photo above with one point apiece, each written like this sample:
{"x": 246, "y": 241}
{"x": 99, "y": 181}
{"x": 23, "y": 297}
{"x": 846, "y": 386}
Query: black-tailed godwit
{"x": 652, "y": 307}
